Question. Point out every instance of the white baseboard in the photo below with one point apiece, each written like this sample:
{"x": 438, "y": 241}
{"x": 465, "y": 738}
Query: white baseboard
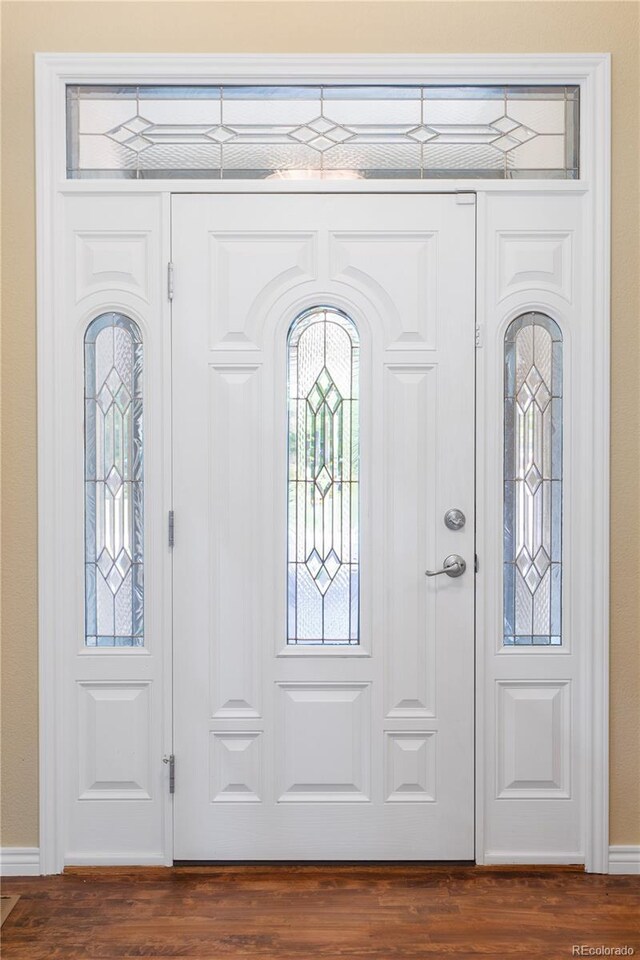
{"x": 497, "y": 857}
{"x": 116, "y": 860}
{"x": 625, "y": 859}
{"x": 19, "y": 862}
{"x": 25, "y": 861}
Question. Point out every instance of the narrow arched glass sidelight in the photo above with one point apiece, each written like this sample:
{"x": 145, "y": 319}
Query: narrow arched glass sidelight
{"x": 323, "y": 479}
{"x": 533, "y": 482}
{"x": 113, "y": 453}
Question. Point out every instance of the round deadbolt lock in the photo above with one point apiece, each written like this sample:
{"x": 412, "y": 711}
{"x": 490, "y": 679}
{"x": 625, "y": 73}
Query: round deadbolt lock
{"x": 454, "y": 519}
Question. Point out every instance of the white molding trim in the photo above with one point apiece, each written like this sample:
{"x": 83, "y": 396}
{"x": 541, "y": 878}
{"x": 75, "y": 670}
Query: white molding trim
{"x": 591, "y": 72}
{"x": 133, "y": 859}
{"x": 19, "y": 862}
{"x": 596, "y": 140}
{"x": 625, "y": 859}
{"x": 525, "y": 858}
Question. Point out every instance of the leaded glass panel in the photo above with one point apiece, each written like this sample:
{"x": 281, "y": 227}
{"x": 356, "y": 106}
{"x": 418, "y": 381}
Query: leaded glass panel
{"x": 533, "y": 482}
{"x": 323, "y": 479}
{"x": 315, "y": 132}
{"x": 114, "y": 598}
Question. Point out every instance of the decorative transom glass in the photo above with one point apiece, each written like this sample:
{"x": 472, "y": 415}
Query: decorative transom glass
{"x": 114, "y": 601}
{"x": 323, "y": 473}
{"x": 298, "y": 132}
{"x": 533, "y": 482}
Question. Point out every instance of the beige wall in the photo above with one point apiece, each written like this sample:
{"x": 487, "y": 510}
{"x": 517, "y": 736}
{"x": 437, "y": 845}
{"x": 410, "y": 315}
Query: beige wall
{"x": 415, "y": 27}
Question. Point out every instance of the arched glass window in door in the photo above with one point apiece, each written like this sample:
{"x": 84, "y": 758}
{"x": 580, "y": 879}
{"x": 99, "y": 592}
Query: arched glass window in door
{"x": 533, "y": 482}
{"x": 323, "y": 479}
{"x": 113, "y": 451}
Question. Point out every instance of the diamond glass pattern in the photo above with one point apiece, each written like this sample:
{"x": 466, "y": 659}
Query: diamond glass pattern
{"x": 533, "y": 482}
{"x": 301, "y": 132}
{"x": 323, "y": 469}
{"x": 113, "y": 483}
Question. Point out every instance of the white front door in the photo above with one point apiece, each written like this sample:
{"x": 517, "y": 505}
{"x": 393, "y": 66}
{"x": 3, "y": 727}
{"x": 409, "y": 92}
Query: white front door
{"x": 323, "y": 423}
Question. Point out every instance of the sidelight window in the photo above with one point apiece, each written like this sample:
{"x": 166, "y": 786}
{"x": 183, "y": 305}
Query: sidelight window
{"x": 323, "y": 479}
{"x": 533, "y": 482}
{"x": 113, "y": 454}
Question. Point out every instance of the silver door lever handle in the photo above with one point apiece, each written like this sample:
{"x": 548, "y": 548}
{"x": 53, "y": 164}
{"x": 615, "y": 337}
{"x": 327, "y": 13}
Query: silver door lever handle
{"x": 453, "y": 566}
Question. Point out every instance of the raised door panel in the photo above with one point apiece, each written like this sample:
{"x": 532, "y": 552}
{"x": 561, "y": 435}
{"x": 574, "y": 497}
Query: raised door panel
{"x": 236, "y": 766}
{"x": 533, "y": 745}
{"x": 398, "y": 271}
{"x": 108, "y": 261}
{"x": 248, "y": 269}
{"x": 114, "y": 747}
{"x": 534, "y": 261}
{"x": 323, "y": 732}
{"x": 409, "y": 617}
{"x": 234, "y": 529}
{"x": 410, "y": 766}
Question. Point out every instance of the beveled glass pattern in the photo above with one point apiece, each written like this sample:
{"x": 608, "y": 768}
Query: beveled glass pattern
{"x": 323, "y": 475}
{"x": 533, "y": 482}
{"x": 316, "y": 132}
{"x": 113, "y": 450}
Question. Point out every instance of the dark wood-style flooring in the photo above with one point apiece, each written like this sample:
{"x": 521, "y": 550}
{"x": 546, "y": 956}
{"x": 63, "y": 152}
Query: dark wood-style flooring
{"x": 332, "y": 912}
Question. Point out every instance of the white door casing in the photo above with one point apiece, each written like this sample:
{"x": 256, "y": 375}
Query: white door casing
{"x": 511, "y": 686}
{"x": 311, "y": 752}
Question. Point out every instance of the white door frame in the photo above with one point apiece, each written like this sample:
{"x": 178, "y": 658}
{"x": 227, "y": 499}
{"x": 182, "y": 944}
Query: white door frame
{"x": 590, "y": 511}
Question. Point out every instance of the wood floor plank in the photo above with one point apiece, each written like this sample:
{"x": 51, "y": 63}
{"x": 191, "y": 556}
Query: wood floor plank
{"x": 324, "y": 912}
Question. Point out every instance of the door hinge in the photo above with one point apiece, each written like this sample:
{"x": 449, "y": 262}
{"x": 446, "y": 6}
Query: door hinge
{"x": 170, "y": 280}
{"x": 479, "y": 336}
{"x": 172, "y": 534}
{"x": 476, "y": 562}
{"x": 171, "y": 760}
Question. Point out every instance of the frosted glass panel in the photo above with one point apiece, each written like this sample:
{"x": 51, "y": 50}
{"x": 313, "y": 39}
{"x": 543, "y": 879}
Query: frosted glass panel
{"x": 114, "y": 604}
{"x": 317, "y": 132}
{"x": 533, "y": 482}
{"x": 323, "y": 475}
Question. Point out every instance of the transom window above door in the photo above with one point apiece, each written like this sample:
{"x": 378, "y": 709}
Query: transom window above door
{"x": 322, "y": 132}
